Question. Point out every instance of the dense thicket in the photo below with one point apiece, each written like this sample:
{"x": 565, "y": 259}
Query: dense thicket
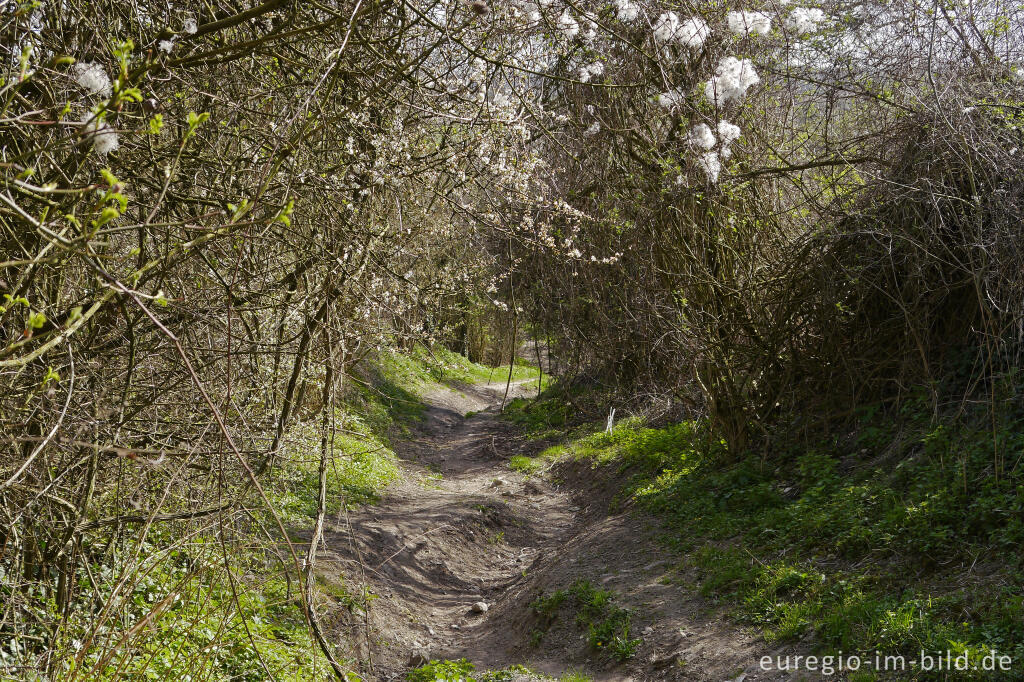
{"x": 210, "y": 215}
{"x": 860, "y": 238}
{"x": 212, "y": 212}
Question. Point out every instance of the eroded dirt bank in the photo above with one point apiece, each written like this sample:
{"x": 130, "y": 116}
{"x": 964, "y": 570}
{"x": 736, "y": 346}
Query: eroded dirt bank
{"x": 463, "y": 529}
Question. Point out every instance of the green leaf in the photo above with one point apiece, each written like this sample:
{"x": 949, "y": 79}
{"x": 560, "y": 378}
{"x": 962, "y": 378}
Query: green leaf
{"x": 36, "y": 320}
{"x": 132, "y": 94}
{"x": 195, "y": 120}
{"x": 284, "y": 216}
{"x": 51, "y": 375}
{"x": 109, "y": 178}
{"x": 109, "y": 213}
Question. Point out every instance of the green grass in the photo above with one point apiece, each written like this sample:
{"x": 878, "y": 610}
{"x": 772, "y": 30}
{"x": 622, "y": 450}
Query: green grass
{"x": 392, "y": 396}
{"x": 897, "y": 537}
{"x": 360, "y": 467}
{"x": 539, "y": 418}
{"x": 524, "y": 464}
{"x": 443, "y": 671}
{"x": 422, "y": 366}
{"x": 607, "y": 624}
{"x": 462, "y": 670}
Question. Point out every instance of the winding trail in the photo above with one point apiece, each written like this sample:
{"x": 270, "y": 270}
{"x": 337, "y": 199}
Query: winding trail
{"x": 463, "y": 528}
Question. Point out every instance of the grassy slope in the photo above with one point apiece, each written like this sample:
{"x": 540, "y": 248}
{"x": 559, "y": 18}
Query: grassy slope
{"x": 897, "y": 537}
{"x": 422, "y": 367}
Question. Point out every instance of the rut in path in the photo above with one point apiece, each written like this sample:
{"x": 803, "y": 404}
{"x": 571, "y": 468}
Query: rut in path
{"x": 463, "y": 528}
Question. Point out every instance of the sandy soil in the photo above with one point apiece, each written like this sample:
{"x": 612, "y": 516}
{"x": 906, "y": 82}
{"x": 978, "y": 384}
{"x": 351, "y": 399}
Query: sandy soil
{"x": 463, "y": 528}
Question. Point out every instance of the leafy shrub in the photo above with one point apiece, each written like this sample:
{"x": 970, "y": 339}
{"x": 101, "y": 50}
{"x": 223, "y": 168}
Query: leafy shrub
{"x": 443, "y": 671}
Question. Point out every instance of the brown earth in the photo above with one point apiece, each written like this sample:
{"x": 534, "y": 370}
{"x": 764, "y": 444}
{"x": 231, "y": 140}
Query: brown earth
{"x": 463, "y": 528}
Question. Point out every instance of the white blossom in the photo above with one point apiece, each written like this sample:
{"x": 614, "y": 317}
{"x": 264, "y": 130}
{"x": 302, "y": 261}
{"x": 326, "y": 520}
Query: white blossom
{"x": 438, "y": 14}
{"x": 590, "y": 29}
{"x": 190, "y": 27}
{"x": 711, "y": 165}
{"x": 670, "y": 99}
{"x": 626, "y": 11}
{"x": 665, "y": 27}
{"x": 479, "y": 67}
{"x": 701, "y": 137}
{"x": 594, "y": 129}
{"x": 720, "y": 90}
{"x": 728, "y": 132}
{"x": 745, "y": 23}
{"x": 745, "y": 74}
{"x": 732, "y": 79}
{"x": 568, "y": 25}
{"x": 592, "y": 70}
{"x": 804, "y": 19}
{"x": 693, "y": 32}
{"x": 101, "y": 136}
{"x": 165, "y": 46}
{"x": 92, "y": 77}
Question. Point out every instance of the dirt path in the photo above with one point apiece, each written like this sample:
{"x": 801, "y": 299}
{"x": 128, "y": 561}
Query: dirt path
{"x": 463, "y": 528}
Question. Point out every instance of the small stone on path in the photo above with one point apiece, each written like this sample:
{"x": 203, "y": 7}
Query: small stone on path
{"x": 419, "y": 656}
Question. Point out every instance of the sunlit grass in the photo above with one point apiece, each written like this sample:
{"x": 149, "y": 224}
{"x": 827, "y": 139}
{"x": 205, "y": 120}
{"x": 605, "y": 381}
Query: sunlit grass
{"x": 801, "y": 547}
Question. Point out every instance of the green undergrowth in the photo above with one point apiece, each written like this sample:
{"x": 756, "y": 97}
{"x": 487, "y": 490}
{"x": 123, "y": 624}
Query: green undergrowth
{"x": 463, "y": 670}
{"x": 538, "y": 418}
{"x": 607, "y": 624}
{"x": 360, "y": 467}
{"x": 898, "y": 536}
{"x": 525, "y": 464}
{"x": 389, "y": 399}
{"x": 555, "y": 413}
{"x": 207, "y": 616}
